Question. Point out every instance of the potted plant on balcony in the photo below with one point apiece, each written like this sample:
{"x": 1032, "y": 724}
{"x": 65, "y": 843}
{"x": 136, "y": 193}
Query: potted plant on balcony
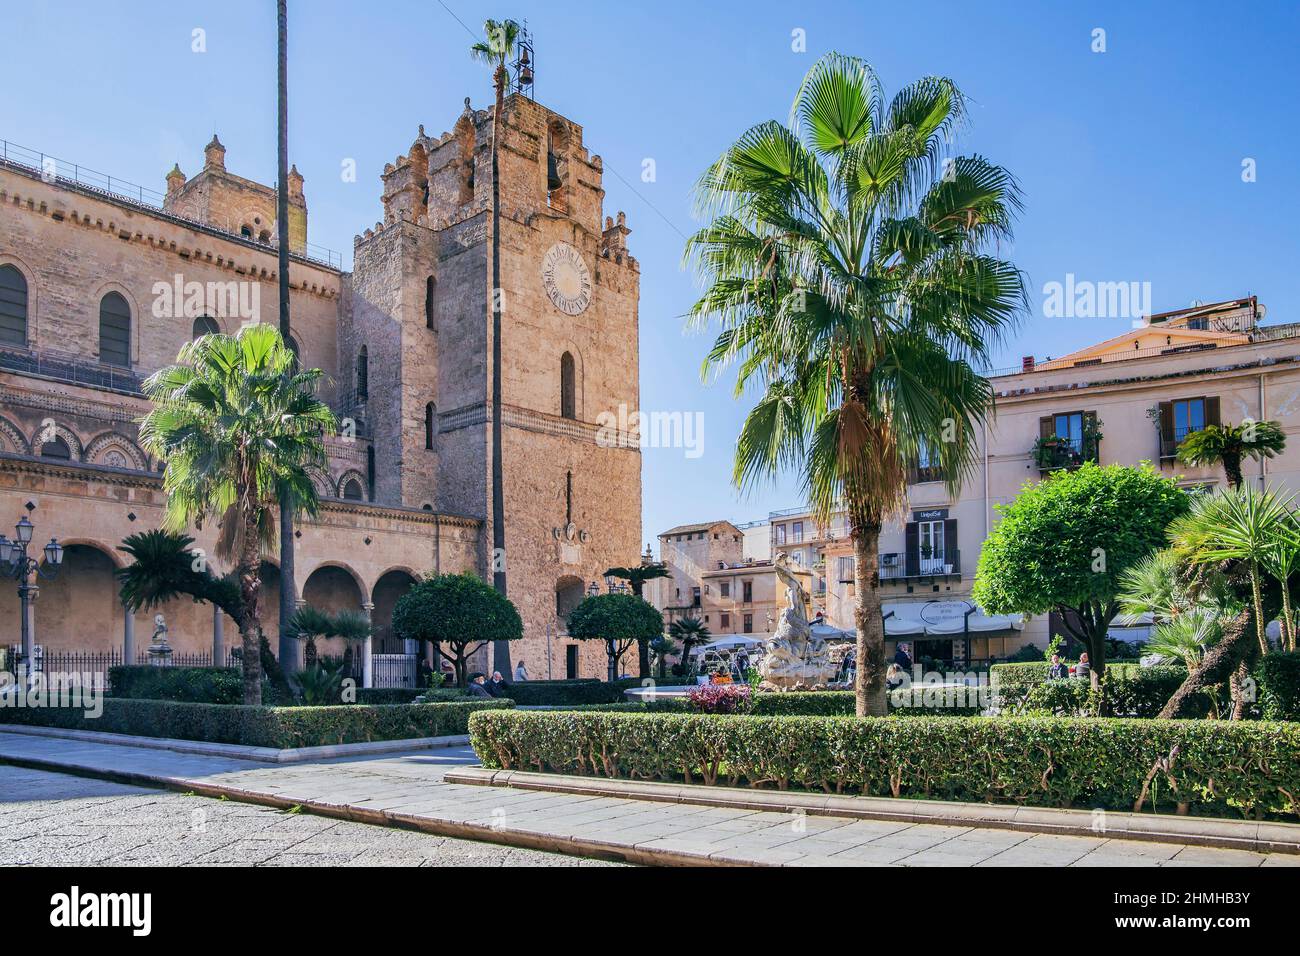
{"x": 1051, "y": 452}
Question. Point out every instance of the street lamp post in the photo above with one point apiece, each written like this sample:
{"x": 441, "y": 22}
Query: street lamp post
{"x": 17, "y": 564}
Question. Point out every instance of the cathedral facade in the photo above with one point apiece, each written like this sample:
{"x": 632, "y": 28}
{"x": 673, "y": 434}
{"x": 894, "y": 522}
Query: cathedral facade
{"x": 100, "y": 287}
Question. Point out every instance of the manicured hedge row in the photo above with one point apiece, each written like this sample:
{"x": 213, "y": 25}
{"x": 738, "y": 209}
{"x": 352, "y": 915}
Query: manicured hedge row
{"x": 1131, "y": 690}
{"x": 552, "y": 692}
{"x": 199, "y": 685}
{"x": 1277, "y": 677}
{"x": 1217, "y": 767}
{"x": 822, "y": 703}
{"x": 404, "y": 695}
{"x": 277, "y": 727}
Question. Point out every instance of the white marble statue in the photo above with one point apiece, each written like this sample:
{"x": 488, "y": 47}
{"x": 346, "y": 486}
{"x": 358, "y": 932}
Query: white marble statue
{"x": 794, "y": 658}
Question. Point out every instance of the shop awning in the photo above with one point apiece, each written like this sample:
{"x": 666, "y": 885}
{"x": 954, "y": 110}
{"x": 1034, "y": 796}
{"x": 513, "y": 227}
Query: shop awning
{"x": 943, "y": 619}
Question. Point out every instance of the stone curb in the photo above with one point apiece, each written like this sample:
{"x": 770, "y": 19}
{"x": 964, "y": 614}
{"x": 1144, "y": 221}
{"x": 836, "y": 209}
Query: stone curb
{"x": 555, "y": 843}
{"x": 239, "y": 751}
{"x": 1259, "y": 836}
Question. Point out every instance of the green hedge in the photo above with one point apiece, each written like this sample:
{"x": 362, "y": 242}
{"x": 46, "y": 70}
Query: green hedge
{"x": 275, "y": 727}
{"x": 196, "y": 685}
{"x": 405, "y": 695}
{"x": 1131, "y": 690}
{"x": 553, "y": 692}
{"x": 1218, "y": 767}
{"x": 1277, "y": 678}
{"x": 821, "y": 703}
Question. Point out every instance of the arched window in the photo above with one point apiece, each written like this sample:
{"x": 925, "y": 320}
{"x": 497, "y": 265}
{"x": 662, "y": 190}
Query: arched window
{"x": 430, "y": 418}
{"x": 568, "y": 387}
{"x": 114, "y": 330}
{"x": 246, "y": 232}
{"x": 205, "y": 325}
{"x": 56, "y": 447}
{"x": 13, "y": 307}
{"x": 264, "y": 237}
{"x": 352, "y": 490}
{"x": 363, "y": 374}
{"x": 430, "y": 287}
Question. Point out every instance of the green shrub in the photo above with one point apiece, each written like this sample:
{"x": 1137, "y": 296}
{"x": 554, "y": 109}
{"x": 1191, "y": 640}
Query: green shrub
{"x": 1277, "y": 676}
{"x": 1131, "y": 690}
{"x": 821, "y": 703}
{"x": 558, "y": 692}
{"x": 197, "y": 685}
{"x": 405, "y": 695}
{"x": 275, "y": 727}
{"x": 1217, "y": 767}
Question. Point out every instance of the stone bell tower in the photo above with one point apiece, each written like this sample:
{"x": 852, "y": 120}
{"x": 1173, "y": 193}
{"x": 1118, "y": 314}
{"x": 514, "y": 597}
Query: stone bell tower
{"x": 570, "y": 289}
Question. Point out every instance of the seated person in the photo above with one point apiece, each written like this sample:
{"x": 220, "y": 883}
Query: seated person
{"x": 476, "y": 688}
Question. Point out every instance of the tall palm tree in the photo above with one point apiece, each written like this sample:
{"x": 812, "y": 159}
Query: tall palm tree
{"x": 1240, "y": 524}
{"x": 238, "y": 425}
{"x": 637, "y": 576}
{"x": 848, "y": 262}
{"x": 1230, "y": 445}
{"x": 691, "y": 631}
{"x": 288, "y": 595}
{"x": 495, "y": 50}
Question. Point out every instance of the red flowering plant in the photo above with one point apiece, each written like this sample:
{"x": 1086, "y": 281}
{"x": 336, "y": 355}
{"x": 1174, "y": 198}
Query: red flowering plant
{"x": 720, "y": 698}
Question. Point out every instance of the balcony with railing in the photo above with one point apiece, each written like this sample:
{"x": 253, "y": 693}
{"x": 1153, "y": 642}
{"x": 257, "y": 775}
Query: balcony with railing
{"x": 75, "y": 176}
{"x": 1056, "y": 452}
{"x": 896, "y": 566}
{"x": 69, "y": 367}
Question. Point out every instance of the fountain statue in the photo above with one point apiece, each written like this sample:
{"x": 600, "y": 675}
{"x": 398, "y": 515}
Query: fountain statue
{"x": 160, "y": 651}
{"x": 794, "y": 658}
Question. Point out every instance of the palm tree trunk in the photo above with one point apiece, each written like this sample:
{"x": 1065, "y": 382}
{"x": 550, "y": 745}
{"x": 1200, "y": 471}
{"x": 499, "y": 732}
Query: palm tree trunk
{"x": 869, "y": 686}
{"x": 1223, "y": 661}
{"x": 1287, "y": 639}
{"x": 249, "y": 587}
{"x": 500, "y": 649}
{"x": 287, "y": 651}
{"x": 642, "y": 646}
{"x": 1258, "y": 600}
{"x": 1232, "y": 468}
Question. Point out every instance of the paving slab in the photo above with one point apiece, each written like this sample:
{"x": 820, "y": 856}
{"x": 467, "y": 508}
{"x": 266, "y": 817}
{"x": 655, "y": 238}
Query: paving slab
{"x": 412, "y": 790}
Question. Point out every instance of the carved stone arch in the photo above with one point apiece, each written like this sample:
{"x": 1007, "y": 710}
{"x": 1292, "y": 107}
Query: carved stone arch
{"x": 348, "y": 476}
{"x": 321, "y": 482}
{"x": 48, "y": 430}
{"x": 99, "y": 450}
{"x": 12, "y": 439}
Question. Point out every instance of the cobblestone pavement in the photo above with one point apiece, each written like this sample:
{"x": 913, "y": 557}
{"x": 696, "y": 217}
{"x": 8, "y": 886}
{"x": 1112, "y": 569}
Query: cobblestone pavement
{"x": 55, "y": 819}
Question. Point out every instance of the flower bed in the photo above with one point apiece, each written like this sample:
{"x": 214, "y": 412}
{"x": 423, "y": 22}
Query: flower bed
{"x": 276, "y": 727}
{"x": 1213, "y": 767}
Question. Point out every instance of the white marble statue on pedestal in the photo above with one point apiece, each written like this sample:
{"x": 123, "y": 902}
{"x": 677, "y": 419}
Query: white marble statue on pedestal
{"x": 794, "y": 658}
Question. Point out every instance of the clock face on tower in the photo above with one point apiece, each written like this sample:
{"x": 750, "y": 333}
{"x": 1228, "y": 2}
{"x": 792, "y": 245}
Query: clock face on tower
{"x": 567, "y": 281}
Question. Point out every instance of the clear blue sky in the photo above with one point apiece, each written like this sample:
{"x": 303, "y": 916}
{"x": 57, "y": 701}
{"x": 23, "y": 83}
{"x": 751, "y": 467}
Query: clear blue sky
{"x": 1130, "y": 159}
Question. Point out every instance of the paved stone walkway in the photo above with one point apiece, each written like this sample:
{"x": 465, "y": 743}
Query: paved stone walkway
{"x": 54, "y": 819}
{"x": 409, "y": 786}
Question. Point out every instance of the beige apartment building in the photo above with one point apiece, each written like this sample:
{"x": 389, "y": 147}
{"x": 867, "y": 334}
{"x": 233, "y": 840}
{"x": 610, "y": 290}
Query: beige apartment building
{"x": 96, "y": 282}
{"x": 1127, "y": 399}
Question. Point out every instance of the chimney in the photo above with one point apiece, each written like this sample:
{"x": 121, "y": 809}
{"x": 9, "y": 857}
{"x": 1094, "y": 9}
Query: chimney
{"x": 1027, "y": 363}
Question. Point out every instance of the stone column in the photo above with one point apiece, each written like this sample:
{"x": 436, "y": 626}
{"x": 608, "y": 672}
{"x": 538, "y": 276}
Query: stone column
{"x": 367, "y": 650}
{"x": 218, "y": 638}
{"x": 128, "y": 636}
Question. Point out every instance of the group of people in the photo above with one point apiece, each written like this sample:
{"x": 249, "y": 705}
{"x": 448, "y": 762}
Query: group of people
{"x": 480, "y": 685}
{"x": 1059, "y": 670}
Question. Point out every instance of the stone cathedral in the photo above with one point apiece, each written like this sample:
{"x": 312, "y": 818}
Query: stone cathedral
{"x": 101, "y": 284}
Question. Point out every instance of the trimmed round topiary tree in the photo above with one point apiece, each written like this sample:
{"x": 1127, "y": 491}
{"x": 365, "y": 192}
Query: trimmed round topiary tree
{"x": 1064, "y": 544}
{"x": 618, "y": 619}
{"x": 460, "y": 613}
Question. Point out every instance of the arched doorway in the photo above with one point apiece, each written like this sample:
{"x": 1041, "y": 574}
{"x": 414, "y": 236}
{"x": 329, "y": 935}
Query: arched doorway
{"x": 333, "y": 589}
{"x": 78, "y": 611}
{"x": 390, "y": 586}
